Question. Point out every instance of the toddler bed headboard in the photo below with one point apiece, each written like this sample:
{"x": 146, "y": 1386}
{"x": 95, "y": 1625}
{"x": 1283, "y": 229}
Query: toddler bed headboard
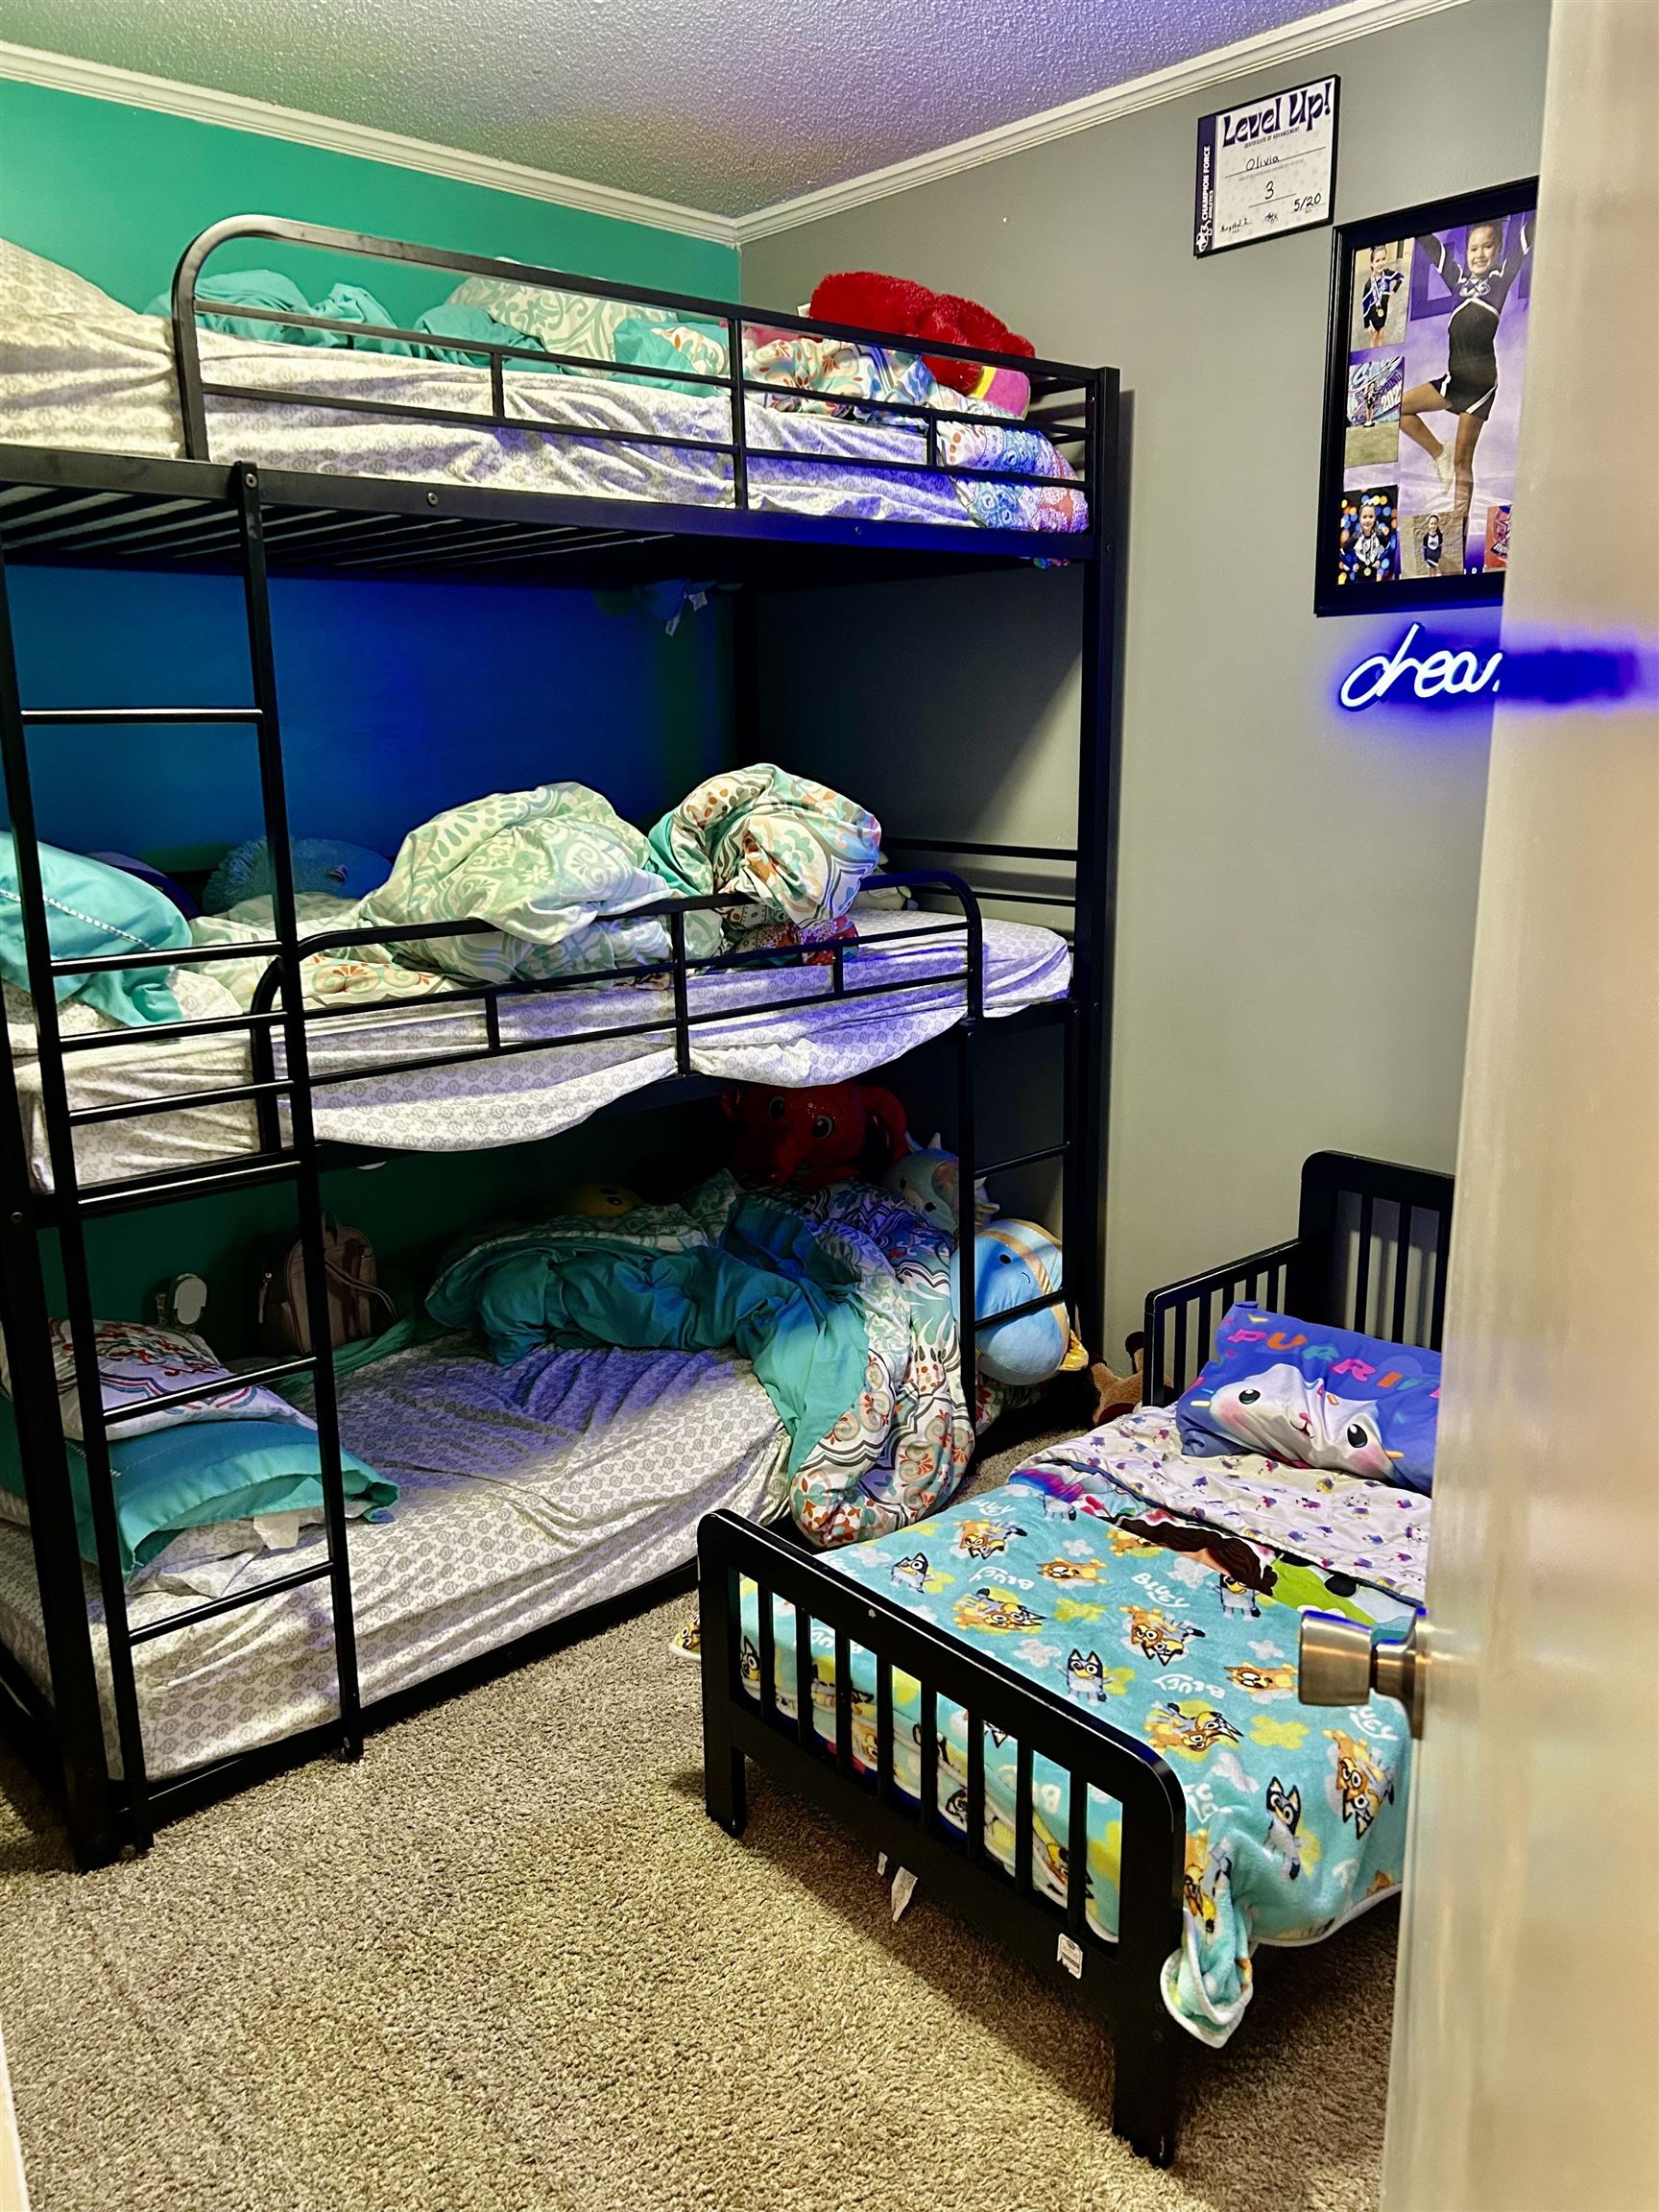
{"x": 1370, "y": 1252}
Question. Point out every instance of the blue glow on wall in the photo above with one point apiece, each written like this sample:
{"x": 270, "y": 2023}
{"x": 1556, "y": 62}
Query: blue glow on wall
{"x": 398, "y": 699}
{"x": 1435, "y": 673}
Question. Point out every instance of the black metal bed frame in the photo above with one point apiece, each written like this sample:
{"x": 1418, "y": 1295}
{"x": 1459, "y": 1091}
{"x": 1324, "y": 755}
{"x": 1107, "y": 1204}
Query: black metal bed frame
{"x": 1359, "y": 1231}
{"x": 207, "y": 514}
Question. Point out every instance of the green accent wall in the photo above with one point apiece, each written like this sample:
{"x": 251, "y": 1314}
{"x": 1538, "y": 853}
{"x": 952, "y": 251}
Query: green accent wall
{"x": 117, "y": 193}
{"x": 398, "y": 699}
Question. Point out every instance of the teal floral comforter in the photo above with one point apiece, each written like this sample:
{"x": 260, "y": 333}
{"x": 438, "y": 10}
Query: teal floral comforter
{"x": 841, "y": 1299}
{"x": 558, "y": 873}
{"x": 1161, "y": 1595}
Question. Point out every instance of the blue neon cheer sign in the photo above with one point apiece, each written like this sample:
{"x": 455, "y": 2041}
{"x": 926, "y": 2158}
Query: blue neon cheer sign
{"x": 1437, "y": 674}
{"x": 1441, "y": 673}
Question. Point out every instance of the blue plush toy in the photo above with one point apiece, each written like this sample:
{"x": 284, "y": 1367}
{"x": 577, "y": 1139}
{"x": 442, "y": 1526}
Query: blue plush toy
{"x": 1013, "y": 1262}
{"x": 320, "y": 864}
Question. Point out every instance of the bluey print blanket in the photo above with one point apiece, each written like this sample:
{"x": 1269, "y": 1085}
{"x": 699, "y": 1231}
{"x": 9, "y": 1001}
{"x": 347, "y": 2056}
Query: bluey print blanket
{"x": 841, "y": 1299}
{"x": 1173, "y": 1613}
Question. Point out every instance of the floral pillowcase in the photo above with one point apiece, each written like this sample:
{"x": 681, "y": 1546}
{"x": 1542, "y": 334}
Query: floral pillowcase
{"x": 137, "y": 1362}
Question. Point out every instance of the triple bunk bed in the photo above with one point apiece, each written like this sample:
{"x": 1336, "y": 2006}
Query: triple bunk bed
{"x": 355, "y": 453}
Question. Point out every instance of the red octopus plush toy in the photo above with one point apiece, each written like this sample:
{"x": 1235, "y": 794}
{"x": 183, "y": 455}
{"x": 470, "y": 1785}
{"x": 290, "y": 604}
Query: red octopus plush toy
{"x": 907, "y": 310}
{"x": 811, "y": 1138}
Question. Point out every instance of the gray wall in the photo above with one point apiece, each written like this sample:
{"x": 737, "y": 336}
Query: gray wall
{"x": 1297, "y": 888}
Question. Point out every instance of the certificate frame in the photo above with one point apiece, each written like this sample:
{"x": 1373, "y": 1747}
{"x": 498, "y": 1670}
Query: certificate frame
{"x": 1445, "y": 523}
{"x": 1204, "y": 247}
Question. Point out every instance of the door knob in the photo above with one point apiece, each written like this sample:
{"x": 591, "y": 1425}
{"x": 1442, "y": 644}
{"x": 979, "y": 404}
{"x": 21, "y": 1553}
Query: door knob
{"x": 1340, "y": 1663}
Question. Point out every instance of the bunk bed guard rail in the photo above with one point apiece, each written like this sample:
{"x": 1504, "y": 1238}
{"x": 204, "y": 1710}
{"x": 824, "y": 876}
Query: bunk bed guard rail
{"x": 1067, "y": 400}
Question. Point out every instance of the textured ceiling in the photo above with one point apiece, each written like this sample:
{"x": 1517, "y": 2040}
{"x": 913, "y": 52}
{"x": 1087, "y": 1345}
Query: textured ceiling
{"x": 726, "y": 105}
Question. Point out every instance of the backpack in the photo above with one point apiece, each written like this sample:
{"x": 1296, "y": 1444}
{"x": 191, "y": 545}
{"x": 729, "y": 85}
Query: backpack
{"x": 357, "y": 1306}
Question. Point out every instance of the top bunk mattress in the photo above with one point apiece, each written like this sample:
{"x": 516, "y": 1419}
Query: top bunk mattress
{"x": 746, "y": 1027}
{"x": 102, "y": 379}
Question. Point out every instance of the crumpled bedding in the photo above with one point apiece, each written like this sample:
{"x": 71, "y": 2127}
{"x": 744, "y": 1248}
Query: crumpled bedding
{"x": 841, "y": 1299}
{"x": 796, "y": 849}
{"x": 1105, "y": 1572}
{"x": 556, "y": 871}
{"x": 81, "y": 372}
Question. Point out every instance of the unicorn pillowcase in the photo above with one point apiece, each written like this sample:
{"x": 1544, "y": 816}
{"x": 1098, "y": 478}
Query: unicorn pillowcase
{"x": 1314, "y": 1396}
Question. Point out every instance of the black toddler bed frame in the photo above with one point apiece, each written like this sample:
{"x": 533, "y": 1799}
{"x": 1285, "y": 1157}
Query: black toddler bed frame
{"x": 1373, "y": 1240}
{"x": 218, "y": 513}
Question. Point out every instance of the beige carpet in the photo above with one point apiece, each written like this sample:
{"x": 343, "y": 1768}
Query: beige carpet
{"x": 508, "y": 1963}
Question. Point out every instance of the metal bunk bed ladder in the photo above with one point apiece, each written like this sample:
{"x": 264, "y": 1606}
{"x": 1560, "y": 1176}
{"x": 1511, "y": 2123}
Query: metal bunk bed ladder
{"x": 95, "y": 1816}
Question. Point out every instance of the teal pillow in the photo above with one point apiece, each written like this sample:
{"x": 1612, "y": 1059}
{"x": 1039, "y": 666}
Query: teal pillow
{"x": 251, "y": 288}
{"x": 195, "y": 1473}
{"x": 452, "y": 321}
{"x": 93, "y": 909}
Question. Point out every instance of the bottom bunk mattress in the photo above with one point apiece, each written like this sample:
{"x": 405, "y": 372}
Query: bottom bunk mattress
{"x": 526, "y": 1493}
{"x": 1160, "y": 1594}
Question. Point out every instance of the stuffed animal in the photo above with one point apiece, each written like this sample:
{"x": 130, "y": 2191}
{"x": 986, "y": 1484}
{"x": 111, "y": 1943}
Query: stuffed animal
{"x": 602, "y": 1201}
{"x": 909, "y": 310}
{"x": 928, "y": 1180}
{"x": 830, "y": 1134}
{"x": 1014, "y": 1262}
{"x": 320, "y": 864}
{"x": 1115, "y": 1394}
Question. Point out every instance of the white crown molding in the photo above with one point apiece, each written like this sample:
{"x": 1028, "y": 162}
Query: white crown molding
{"x": 202, "y": 104}
{"x": 1265, "y": 49}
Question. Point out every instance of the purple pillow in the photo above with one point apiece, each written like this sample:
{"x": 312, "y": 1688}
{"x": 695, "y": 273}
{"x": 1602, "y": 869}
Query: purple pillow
{"x": 1314, "y": 1396}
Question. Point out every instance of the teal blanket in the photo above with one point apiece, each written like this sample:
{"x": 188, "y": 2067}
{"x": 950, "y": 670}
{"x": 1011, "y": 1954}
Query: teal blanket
{"x": 765, "y": 1284}
{"x": 346, "y": 303}
{"x": 840, "y": 1298}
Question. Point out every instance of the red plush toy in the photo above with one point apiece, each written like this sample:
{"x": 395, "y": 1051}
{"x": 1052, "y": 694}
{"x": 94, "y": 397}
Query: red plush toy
{"x": 811, "y": 1138}
{"x": 906, "y": 310}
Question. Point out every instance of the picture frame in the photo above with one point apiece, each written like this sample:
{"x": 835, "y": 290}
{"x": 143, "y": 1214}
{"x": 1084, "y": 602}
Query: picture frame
{"x": 1266, "y": 169}
{"x": 1418, "y": 447}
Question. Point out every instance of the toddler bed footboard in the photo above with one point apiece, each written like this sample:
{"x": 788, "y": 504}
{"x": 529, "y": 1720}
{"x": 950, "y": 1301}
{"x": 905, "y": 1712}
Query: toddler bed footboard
{"x": 1118, "y": 1980}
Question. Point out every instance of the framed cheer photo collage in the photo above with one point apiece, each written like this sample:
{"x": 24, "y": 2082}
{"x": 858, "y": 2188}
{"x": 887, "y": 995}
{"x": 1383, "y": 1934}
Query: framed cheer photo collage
{"x": 1428, "y": 348}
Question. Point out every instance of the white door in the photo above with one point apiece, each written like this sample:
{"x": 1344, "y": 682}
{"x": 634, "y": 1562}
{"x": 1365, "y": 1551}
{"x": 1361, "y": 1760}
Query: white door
{"x": 1525, "y": 2070}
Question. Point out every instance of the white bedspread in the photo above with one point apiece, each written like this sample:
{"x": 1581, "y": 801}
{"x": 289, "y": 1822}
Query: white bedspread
{"x": 105, "y": 382}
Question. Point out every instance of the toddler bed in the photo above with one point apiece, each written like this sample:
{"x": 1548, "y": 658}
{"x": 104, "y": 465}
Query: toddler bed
{"x": 1069, "y": 1706}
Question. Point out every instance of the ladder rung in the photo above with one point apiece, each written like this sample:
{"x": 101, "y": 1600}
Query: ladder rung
{"x": 168, "y": 1032}
{"x": 203, "y": 1392}
{"x": 231, "y": 1605}
{"x": 178, "y": 956}
{"x": 48, "y": 717}
{"x": 179, "y": 1101}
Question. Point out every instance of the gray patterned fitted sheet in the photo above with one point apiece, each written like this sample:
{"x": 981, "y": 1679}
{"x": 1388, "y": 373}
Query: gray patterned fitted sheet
{"x": 534, "y": 1095}
{"x": 528, "y": 1493}
{"x": 104, "y": 380}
